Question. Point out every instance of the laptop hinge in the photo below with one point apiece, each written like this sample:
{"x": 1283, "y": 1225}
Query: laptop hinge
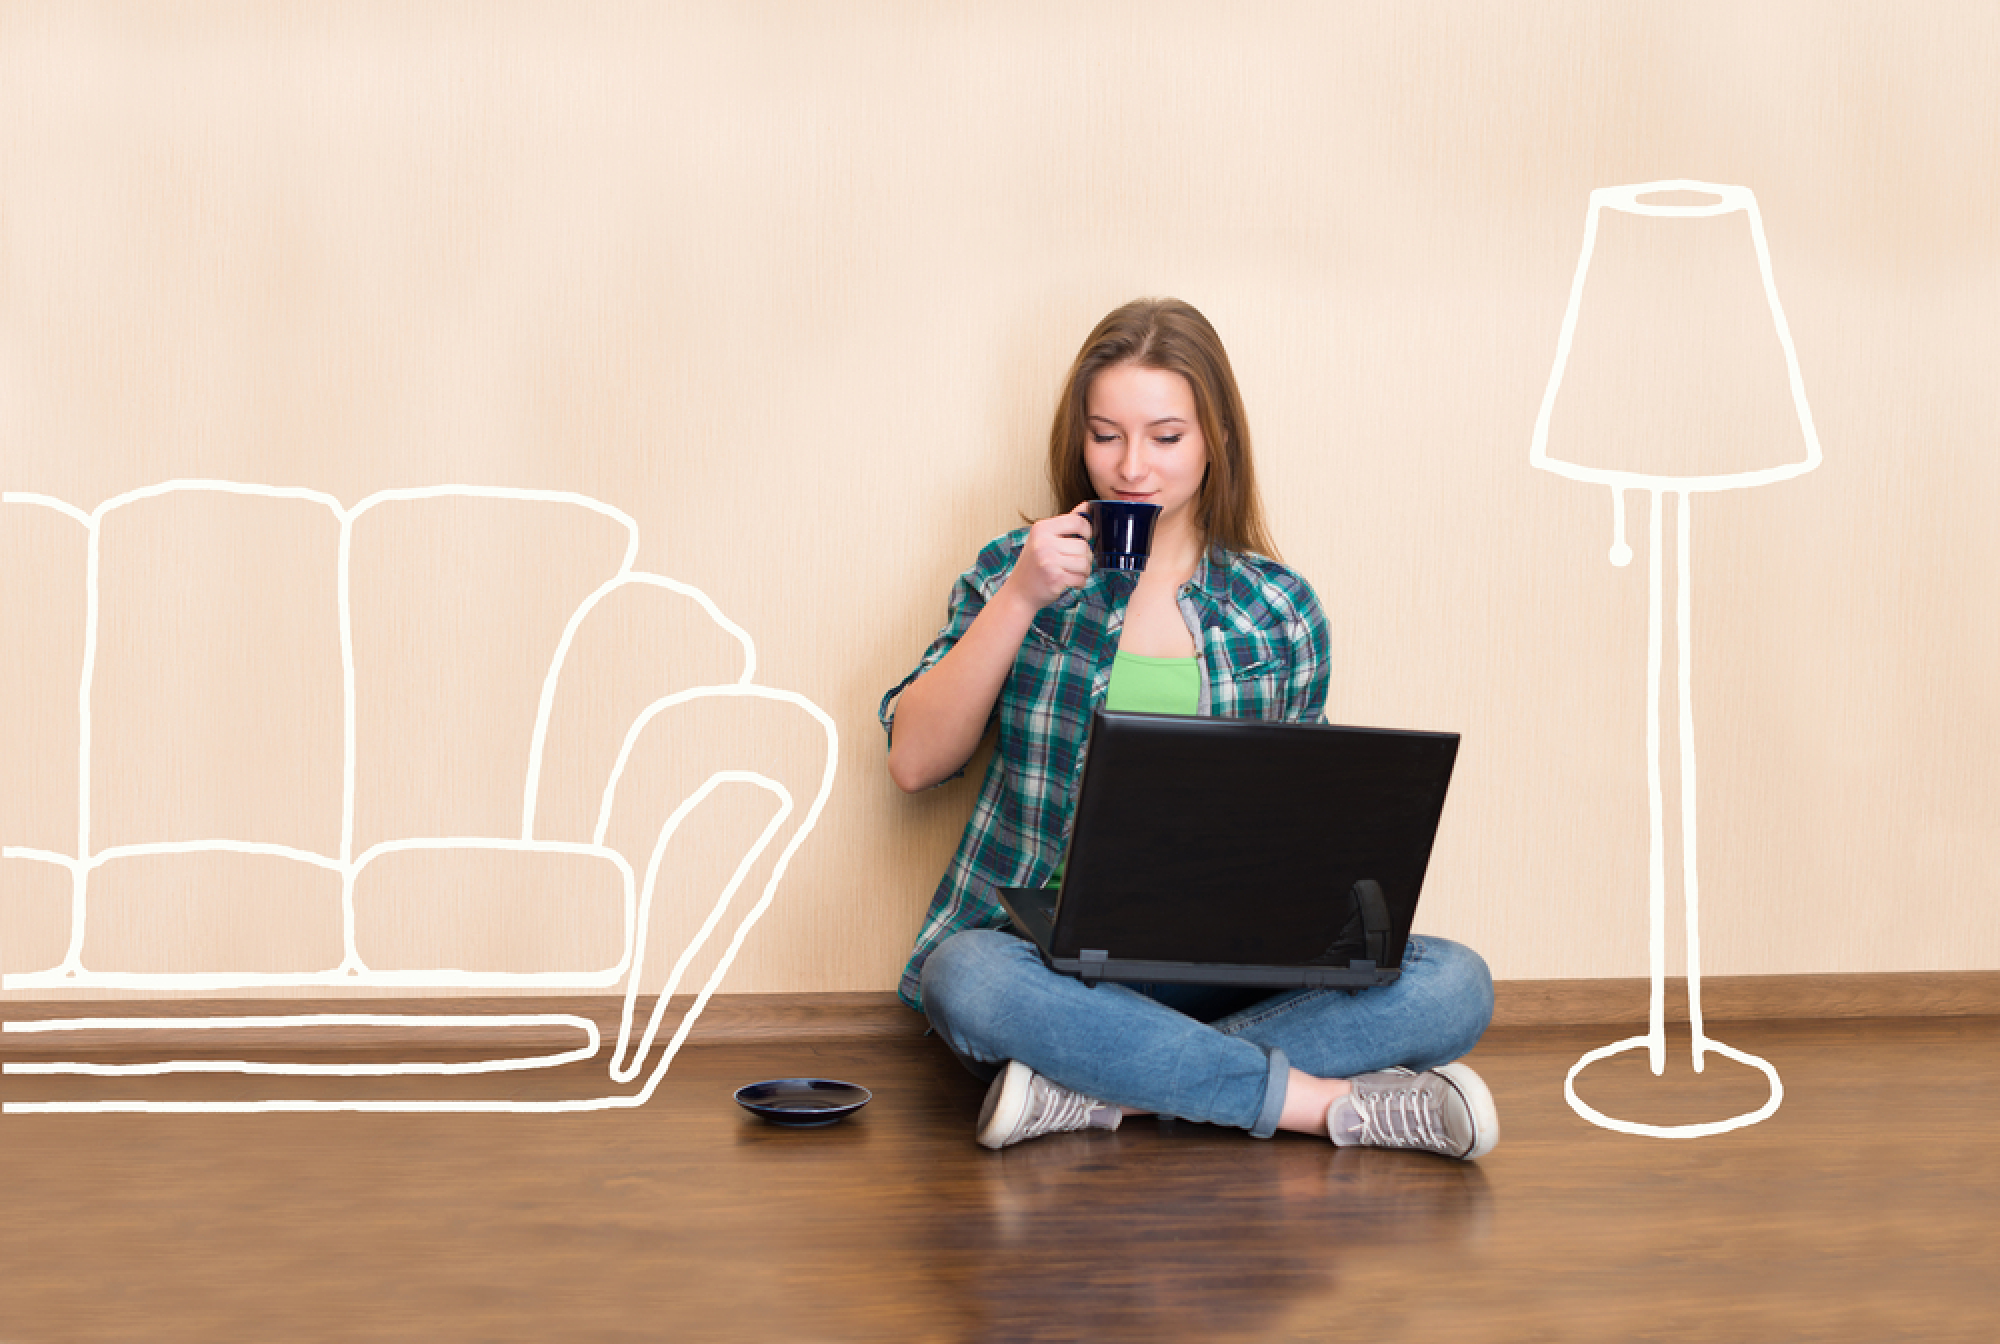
{"x": 1093, "y": 959}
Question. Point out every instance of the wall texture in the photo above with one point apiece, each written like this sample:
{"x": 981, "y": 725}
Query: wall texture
{"x": 792, "y": 286}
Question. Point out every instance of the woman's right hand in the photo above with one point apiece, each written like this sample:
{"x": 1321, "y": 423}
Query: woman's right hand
{"x": 1054, "y": 559}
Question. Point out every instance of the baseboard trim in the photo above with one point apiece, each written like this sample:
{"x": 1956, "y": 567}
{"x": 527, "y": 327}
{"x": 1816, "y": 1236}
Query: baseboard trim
{"x": 751, "y": 1019}
{"x": 1751, "y": 998}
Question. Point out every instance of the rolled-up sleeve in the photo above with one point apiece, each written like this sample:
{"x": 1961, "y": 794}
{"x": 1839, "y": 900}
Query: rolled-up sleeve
{"x": 968, "y": 598}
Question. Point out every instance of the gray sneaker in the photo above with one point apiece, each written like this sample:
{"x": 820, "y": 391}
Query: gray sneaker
{"x": 1022, "y": 1104}
{"x": 1445, "y": 1110}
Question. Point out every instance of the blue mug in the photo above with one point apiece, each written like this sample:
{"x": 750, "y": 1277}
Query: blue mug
{"x": 1121, "y": 533}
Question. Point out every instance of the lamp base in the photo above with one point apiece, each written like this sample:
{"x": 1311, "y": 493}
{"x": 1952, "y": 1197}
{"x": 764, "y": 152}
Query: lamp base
{"x": 1702, "y": 1044}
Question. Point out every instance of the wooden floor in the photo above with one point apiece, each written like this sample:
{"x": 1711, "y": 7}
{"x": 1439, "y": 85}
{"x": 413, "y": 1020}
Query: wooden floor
{"x": 1864, "y": 1210}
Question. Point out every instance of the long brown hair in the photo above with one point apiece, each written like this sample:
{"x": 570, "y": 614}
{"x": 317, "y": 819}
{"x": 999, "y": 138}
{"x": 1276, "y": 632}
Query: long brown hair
{"x": 1172, "y": 335}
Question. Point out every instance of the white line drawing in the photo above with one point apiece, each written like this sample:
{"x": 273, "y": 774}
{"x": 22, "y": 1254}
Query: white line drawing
{"x": 1629, "y": 199}
{"x": 628, "y": 1056}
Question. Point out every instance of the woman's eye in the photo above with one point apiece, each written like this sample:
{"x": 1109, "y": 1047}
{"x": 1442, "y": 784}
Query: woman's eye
{"x": 1169, "y": 439}
{"x": 1103, "y": 438}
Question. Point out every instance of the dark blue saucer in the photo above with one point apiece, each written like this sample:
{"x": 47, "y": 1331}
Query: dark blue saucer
{"x": 802, "y": 1102}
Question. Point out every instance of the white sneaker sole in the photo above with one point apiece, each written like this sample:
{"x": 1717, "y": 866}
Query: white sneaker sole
{"x": 1006, "y": 1102}
{"x": 1478, "y": 1100}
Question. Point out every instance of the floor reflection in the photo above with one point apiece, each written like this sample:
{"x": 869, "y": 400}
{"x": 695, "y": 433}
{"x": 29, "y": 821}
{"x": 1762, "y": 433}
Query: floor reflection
{"x": 1058, "y": 1235}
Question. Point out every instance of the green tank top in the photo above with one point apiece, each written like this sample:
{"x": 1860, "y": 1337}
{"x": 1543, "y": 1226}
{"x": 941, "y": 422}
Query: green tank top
{"x": 1142, "y": 685}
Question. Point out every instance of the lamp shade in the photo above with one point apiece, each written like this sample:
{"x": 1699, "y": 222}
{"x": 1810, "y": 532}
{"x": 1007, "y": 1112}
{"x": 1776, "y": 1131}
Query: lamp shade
{"x": 1675, "y": 369}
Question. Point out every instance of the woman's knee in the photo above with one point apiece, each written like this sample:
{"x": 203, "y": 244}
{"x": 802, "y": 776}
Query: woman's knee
{"x": 964, "y": 980}
{"x": 1458, "y": 990}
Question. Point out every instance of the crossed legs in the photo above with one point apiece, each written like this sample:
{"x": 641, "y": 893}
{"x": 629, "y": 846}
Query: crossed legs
{"x": 1226, "y": 1057}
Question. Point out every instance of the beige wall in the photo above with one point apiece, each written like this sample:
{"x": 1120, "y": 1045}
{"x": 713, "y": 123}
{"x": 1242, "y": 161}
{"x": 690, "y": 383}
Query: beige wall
{"x": 792, "y": 286}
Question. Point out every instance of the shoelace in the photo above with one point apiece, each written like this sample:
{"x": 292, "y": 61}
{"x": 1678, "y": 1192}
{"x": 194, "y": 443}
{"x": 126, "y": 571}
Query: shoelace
{"x": 1404, "y": 1118}
{"x": 1058, "y": 1110}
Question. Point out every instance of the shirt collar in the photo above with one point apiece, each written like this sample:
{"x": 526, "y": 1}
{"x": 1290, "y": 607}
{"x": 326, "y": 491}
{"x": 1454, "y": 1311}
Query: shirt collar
{"x": 1209, "y": 588}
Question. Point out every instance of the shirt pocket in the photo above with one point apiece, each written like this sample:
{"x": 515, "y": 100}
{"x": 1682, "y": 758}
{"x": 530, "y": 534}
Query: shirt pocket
{"x": 1252, "y": 672}
{"x": 1041, "y": 666}
{"x": 1051, "y": 632}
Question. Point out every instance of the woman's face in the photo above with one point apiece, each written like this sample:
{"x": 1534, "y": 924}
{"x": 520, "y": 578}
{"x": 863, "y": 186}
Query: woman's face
{"x": 1142, "y": 440}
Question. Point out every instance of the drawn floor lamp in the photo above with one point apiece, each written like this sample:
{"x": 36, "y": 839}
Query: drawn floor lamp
{"x": 1674, "y": 337}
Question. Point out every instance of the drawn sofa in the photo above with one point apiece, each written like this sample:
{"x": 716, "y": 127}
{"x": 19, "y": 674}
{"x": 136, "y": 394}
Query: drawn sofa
{"x": 176, "y": 861}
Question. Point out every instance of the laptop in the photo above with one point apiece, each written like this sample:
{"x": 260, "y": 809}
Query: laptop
{"x": 1243, "y": 852}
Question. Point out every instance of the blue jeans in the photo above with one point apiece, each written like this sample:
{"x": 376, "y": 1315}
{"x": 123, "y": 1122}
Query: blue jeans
{"x": 1218, "y": 1056}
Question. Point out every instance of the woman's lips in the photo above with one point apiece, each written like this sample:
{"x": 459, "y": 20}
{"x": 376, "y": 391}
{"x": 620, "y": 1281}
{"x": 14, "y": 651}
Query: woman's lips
{"x": 1133, "y": 495}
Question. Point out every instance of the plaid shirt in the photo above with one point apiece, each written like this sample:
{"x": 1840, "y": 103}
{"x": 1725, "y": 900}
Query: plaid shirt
{"x": 1261, "y": 641}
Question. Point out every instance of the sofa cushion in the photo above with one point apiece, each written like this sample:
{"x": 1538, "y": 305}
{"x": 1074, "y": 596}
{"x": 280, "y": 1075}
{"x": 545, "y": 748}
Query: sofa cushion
{"x": 212, "y": 912}
{"x": 439, "y": 908}
{"x": 458, "y": 607}
{"x": 216, "y": 691}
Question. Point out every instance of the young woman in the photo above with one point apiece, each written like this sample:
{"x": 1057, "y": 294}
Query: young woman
{"x": 1038, "y": 640}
